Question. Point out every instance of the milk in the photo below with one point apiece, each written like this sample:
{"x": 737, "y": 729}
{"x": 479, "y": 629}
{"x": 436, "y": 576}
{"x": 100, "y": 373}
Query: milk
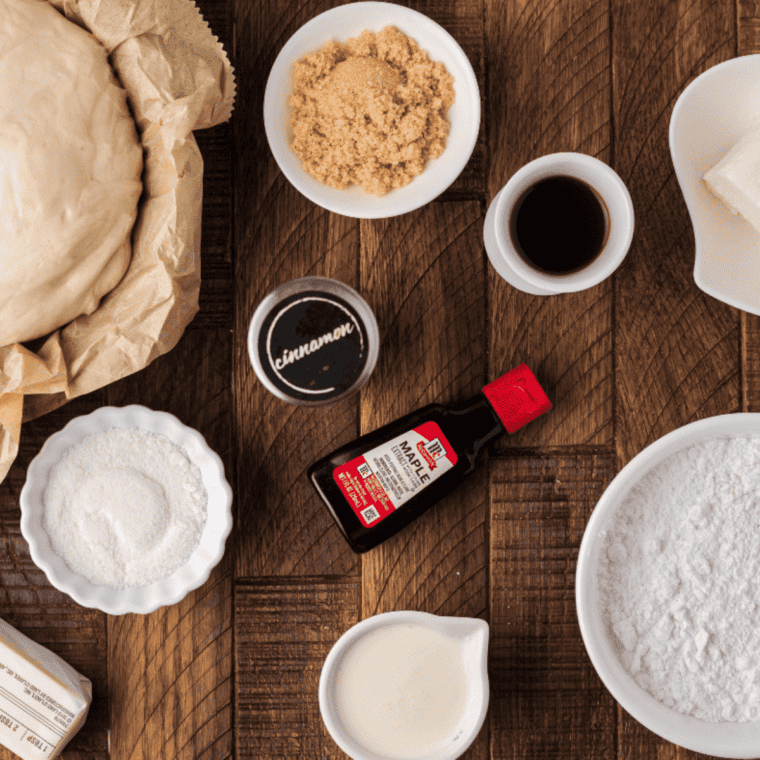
{"x": 401, "y": 690}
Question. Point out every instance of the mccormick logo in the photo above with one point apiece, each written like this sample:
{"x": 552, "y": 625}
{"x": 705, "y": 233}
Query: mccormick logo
{"x": 290, "y": 356}
{"x": 430, "y": 451}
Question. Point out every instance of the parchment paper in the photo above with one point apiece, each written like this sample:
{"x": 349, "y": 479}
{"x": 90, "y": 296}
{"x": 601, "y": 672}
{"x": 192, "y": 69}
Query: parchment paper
{"x": 178, "y": 79}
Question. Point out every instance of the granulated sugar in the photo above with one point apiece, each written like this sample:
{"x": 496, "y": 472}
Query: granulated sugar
{"x": 679, "y": 581}
{"x": 125, "y": 507}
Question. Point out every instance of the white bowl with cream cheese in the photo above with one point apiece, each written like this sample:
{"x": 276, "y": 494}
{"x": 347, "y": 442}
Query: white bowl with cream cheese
{"x": 406, "y": 686}
{"x": 711, "y": 115}
{"x": 148, "y": 596}
{"x": 729, "y": 738}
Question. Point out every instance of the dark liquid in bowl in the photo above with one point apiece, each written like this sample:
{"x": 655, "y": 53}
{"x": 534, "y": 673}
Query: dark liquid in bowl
{"x": 559, "y": 225}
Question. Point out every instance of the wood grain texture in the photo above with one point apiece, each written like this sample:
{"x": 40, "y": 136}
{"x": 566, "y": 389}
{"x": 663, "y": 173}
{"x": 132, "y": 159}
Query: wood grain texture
{"x": 546, "y": 699}
{"x": 747, "y": 27}
{"x": 217, "y": 286}
{"x": 171, "y": 677}
{"x": 46, "y": 615}
{"x": 280, "y": 236}
{"x": 284, "y": 628}
{"x": 748, "y": 43}
{"x": 549, "y": 83}
{"x": 676, "y": 348}
{"x": 464, "y": 21}
{"x": 423, "y": 276}
{"x": 284, "y": 527}
{"x": 170, "y": 672}
{"x": 203, "y": 359}
{"x": 439, "y": 563}
{"x": 750, "y": 367}
{"x": 50, "y": 618}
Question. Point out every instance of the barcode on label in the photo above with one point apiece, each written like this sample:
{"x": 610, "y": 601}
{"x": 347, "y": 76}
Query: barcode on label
{"x": 434, "y": 448}
{"x": 364, "y": 470}
{"x": 370, "y": 514}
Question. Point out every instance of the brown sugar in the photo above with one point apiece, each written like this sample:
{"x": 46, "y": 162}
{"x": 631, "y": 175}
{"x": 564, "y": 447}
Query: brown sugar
{"x": 370, "y": 111}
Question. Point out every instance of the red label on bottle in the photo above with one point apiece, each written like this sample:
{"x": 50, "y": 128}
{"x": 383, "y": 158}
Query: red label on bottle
{"x": 386, "y": 477}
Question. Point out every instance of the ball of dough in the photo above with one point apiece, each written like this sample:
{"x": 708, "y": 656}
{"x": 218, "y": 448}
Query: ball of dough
{"x": 70, "y": 166}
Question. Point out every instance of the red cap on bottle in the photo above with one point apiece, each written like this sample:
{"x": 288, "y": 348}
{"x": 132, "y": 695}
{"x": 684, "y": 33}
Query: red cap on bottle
{"x": 517, "y": 398}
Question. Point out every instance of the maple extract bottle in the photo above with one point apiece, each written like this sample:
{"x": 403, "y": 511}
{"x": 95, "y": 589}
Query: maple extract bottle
{"x": 382, "y": 481}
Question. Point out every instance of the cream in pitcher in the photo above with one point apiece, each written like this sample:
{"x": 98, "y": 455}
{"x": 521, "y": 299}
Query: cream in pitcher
{"x": 406, "y": 685}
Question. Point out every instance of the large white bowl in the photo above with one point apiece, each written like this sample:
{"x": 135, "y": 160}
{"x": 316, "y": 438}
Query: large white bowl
{"x": 734, "y": 740}
{"x": 711, "y": 115}
{"x": 349, "y": 21}
{"x": 140, "y": 599}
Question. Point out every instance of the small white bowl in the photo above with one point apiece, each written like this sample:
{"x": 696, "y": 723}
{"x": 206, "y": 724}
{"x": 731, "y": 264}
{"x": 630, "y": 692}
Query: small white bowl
{"x": 473, "y": 634}
{"x": 503, "y": 253}
{"x": 140, "y": 599}
{"x": 733, "y": 740}
{"x": 711, "y": 115}
{"x": 340, "y": 24}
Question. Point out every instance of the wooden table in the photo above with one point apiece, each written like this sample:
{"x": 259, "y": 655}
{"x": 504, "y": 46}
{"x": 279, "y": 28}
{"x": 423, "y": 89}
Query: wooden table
{"x": 232, "y": 670}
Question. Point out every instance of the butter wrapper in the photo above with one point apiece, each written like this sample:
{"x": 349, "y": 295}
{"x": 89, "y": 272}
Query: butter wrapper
{"x": 43, "y": 700}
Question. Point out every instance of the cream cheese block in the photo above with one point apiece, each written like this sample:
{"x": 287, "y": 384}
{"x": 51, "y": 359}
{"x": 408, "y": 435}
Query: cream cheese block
{"x": 43, "y": 700}
{"x": 735, "y": 179}
{"x": 70, "y": 169}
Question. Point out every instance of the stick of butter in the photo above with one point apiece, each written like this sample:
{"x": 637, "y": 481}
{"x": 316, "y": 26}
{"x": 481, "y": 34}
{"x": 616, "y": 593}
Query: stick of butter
{"x": 43, "y": 700}
{"x": 735, "y": 179}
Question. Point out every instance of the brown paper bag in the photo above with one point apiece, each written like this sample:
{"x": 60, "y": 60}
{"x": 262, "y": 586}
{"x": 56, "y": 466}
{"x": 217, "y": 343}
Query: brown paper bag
{"x": 178, "y": 79}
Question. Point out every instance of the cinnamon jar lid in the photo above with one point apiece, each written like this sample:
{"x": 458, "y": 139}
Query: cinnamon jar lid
{"x": 313, "y": 341}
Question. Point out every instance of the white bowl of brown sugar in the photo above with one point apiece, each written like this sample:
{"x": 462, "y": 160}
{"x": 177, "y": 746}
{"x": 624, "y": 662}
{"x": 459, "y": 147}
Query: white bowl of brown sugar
{"x": 371, "y": 110}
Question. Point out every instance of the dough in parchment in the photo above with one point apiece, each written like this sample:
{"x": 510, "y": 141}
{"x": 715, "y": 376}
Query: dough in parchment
{"x": 70, "y": 166}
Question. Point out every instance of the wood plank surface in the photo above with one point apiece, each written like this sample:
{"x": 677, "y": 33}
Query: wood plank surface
{"x": 284, "y": 628}
{"x": 748, "y": 43}
{"x": 170, "y": 672}
{"x": 287, "y": 529}
{"x": 217, "y": 284}
{"x": 424, "y": 276}
{"x": 549, "y": 92}
{"x": 171, "y": 677}
{"x": 464, "y": 22}
{"x": 232, "y": 670}
{"x": 280, "y": 236}
{"x": 676, "y": 349}
{"x": 547, "y": 700}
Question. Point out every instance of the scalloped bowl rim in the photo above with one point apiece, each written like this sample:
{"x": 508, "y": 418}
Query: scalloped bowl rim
{"x": 710, "y": 115}
{"x": 347, "y": 21}
{"x": 730, "y": 740}
{"x": 138, "y": 599}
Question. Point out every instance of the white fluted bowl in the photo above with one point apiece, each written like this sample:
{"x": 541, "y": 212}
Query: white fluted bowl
{"x": 140, "y": 599}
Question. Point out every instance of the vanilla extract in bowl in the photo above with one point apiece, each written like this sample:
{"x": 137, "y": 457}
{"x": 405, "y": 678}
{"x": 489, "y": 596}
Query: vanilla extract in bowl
{"x": 559, "y": 225}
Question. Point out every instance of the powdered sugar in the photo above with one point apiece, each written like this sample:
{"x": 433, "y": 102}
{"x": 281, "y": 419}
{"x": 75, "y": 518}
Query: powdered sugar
{"x": 679, "y": 580}
{"x": 125, "y": 507}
